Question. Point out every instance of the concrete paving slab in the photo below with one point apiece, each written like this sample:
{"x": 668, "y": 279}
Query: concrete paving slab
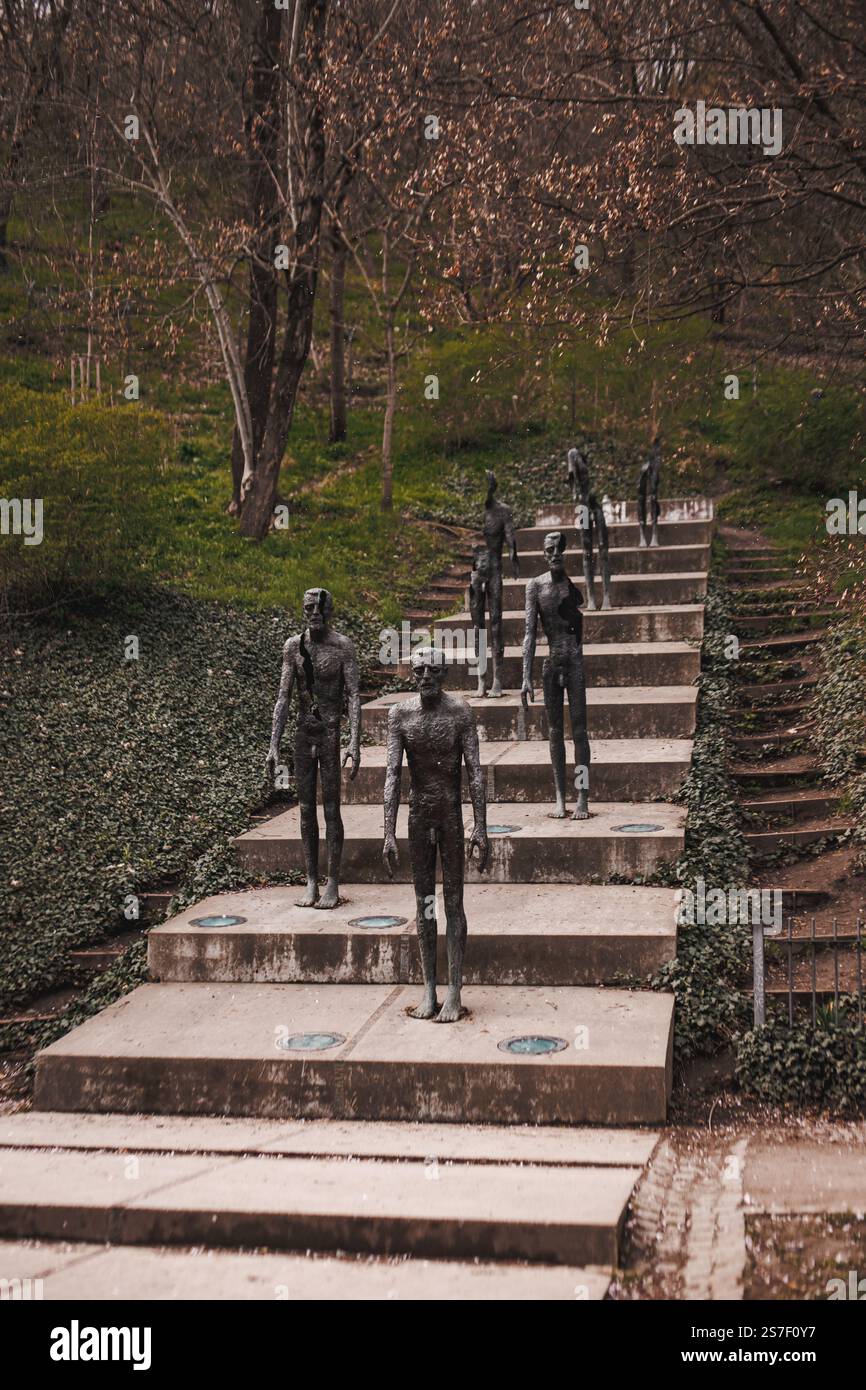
{"x": 527, "y": 846}
{"x": 371, "y": 1206}
{"x": 675, "y": 622}
{"x": 552, "y": 934}
{"x": 218, "y": 1050}
{"x": 804, "y": 1177}
{"x": 634, "y": 711}
{"x": 607, "y": 663}
{"x": 85, "y": 1272}
{"x": 567, "y": 1146}
{"x": 633, "y": 559}
{"x": 629, "y": 769}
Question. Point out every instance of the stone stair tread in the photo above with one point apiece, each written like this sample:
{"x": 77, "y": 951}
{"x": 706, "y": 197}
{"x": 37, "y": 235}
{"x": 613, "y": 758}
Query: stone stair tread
{"x": 407, "y": 1140}
{"x": 670, "y": 509}
{"x": 377, "y": 1206}
{"x": 535, "y": 846}
{"x": 628, "y": 695}
{"x": 605, "y": 663}
{"x": 79, "y": 1272}
{"x": 214, "y": 1050}
{"x": 549, "y": 934}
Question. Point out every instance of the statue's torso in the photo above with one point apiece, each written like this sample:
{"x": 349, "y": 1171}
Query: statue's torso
{"x": 326, "y": 673}
{"x": 559, "y": 614}
{"x": 433, "y": 740}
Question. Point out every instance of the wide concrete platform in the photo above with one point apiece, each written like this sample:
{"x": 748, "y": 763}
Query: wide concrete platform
{"x": 630, "y": 559}
{"x": 639, "y": 623}
{"x": 626, "y": 589}
{"x": 264, "y": 1051}
{"x": 81, "y": 1272}
{"x": 623, "y": 533}
{"x": 627, "y": 769}
{"x": 365, "y": 1206}
{"x": 555, "y": 934}
{"x": 670, "y": 509}
{"x": 664, "y": 711}
{"x": 526, "y": 844}
{"x": 607, "y": 663}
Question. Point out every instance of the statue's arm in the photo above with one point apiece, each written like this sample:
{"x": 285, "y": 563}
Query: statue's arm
{"x": 281, "y": 708}
{"x": 511, "y": 542}
{"x": 392, "y": 773}
{"x": 529, "y": 634}
{"x": 478, "y": 842}
{"x": 353, "y": 694}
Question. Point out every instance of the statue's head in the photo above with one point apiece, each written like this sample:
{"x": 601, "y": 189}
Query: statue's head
{"x": 428, "y": 671}
{"x": 318, "y": 608}
{"x": 491, "y": 482}
{"x": 554, "y": 551}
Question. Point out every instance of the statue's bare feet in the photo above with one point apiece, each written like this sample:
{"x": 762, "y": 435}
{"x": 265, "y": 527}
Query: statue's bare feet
{"x": 558, "y": 812}
{"x": 655, "y": 540}
{"x": 480, "y": 692}
{"x": 606, "y": 603}
{"x": 331, "y": 895}
{"x": 451, "y": 1010}
{"x": 311, "y": 897}
{"x": 581, "y": 810}
{"x": 642, "y": 540}
{"x": 495, "y": 691}
{"x": 591, "y": 604}
{"x": 427, "y": 1008}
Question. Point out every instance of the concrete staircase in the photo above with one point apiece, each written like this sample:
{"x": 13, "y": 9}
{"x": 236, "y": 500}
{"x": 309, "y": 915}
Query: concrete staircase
{"x": 269, "y": 1088}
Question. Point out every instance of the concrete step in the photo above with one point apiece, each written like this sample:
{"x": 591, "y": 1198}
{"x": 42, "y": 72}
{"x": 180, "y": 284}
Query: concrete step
{"x": 554, "y": 934}
{"x": 797, "y": 836}
{"x": 627, "y": 769}
{"x": 526, "y": 844}
{"x": 666, "y": 711}
{"x": 670, "y": 509}
{"x": 675, "y": 622}
{"x": 79, "y": 1272}
{"x": 606, "y": 663}
{"x": 353, "y": 1052}
{"x": 624, "y": 533}
{"x": 792, "y": 806}
{"x": 626, "y": 589}
{"x": 659, "y": 559}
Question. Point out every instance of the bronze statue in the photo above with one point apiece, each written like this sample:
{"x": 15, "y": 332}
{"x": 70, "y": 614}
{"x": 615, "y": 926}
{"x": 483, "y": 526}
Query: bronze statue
{"x": 648, "y": 487}
{"x": 591, "y": 517}
{"x": 485, "y": 586}
{"x": 554, "y": 598}
{"x": 437, "y": 733}
{"x": 323, "y": 666}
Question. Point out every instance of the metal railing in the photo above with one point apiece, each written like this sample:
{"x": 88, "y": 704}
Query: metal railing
{"x": 775, "y": 955}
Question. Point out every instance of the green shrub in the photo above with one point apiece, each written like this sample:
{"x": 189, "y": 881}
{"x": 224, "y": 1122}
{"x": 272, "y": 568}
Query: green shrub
{"x": 802, "y": 1066}
{"x": 808, "y": 438}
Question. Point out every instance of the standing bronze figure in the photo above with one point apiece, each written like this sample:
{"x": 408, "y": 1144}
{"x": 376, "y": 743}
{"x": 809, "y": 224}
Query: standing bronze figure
{"x": 554, "y": 598}
{"x": 323, "y": 666}
{"x": 485, "y": 586}
{"x": 437, "y": 733}
{"x": 648, "y": 490}
{"x": 591, "y": 518}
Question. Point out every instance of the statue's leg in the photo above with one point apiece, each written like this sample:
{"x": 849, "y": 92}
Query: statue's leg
{"x": 577, "y": 710}
{"x": 476, "y": 612}
{"x": 494, "y": 595}
{"x": 553, "y": 704}
{"x": 588, "y": 566}
{"x": 306, "y": 764}
{"x": 641, "y": 510}
{"x": 603, "y": 557}
{"x": 422, "y": 852}
{"x": 654, "y": 539}
{"x": 329, "y": 766}
{"x": 451, "y": 849}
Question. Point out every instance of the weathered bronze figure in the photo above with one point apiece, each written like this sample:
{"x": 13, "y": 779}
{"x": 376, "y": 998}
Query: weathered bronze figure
{"x": 437, "y": 733}
{"x": 590, "y": 518}
{"x": 323, "y": 666}
{"x": 554, "y": 598}
{"x": 648, "y": 489}
{"x": 485, "y": 585}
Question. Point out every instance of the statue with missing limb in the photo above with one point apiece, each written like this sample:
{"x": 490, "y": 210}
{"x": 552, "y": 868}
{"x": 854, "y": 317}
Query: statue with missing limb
{"x": 485, "y": 585}
{"x": 437, "y": 733}
{"x": 554, "y": 599}
{"x": 648, "y": 490}
{"x": 322, "y": 665}
{"x": 591, "y": 518}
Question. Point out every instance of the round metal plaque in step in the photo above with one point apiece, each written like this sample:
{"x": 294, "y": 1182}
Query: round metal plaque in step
{"x": 638, "y": 828}
{"x": 378, "y": 921}
{"x": 218, "y": 919}
{"x": 310, "y": 1042}
{"x": 533, "y": 1045}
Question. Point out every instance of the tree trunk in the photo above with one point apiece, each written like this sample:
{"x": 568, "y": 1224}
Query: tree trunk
{"x": 388, "y": 428}
{"x": 338, "y": 347}
{"x": 262, "y": 119}
{"x": 257, "y": 508}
